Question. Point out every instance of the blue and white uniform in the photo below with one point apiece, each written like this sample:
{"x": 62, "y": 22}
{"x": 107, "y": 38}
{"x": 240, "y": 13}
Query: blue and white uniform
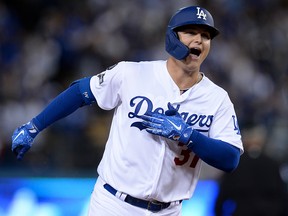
{"x": 156, "y": 168}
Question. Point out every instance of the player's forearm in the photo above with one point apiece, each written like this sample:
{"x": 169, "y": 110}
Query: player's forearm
{"x": 64, "y": 104}
{"x": 77, "y": 95}
{"x": 216, "y": 153}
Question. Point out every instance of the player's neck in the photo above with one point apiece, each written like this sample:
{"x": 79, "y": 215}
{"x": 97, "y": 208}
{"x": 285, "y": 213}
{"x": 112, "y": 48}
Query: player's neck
{"x": 184, "y": 79}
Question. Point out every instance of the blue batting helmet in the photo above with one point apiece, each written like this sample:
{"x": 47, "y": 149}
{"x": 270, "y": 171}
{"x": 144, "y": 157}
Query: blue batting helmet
{"x": 192, "y": 15}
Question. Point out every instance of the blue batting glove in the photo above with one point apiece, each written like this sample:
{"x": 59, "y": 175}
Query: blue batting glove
{"x": 169, "y": 125}
{"x": 22, "y": 139}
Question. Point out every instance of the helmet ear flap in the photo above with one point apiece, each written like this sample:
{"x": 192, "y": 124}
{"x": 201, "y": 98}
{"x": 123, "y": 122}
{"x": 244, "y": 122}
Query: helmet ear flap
{"x": 174, "y": 46}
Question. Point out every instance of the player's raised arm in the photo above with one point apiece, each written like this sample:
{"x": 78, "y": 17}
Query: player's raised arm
{"x": 77, "y": 95}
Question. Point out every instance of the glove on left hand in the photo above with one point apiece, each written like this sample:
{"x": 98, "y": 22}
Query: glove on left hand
{"x": 169, "y": 125}
{"x": 22, "y": 139}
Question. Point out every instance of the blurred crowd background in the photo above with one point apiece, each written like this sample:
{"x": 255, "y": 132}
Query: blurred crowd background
{"x": 47, "y": 44}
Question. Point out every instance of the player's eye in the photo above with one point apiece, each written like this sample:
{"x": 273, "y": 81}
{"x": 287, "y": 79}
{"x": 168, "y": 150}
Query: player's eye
{"x": 191, "y": 32}
{"x": 206, "y": 35}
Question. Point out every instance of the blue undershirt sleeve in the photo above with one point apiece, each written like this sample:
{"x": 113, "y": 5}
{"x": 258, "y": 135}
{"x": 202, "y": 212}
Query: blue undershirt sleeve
{"x": 74, "y": 97}
{"x": 216, "y": 153}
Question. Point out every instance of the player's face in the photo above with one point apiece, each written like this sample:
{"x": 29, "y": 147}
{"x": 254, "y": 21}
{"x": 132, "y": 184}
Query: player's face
{"x": 198, "y": 40}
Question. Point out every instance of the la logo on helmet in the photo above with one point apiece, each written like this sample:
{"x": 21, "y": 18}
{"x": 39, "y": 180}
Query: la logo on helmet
{"x": 201, "y": 14}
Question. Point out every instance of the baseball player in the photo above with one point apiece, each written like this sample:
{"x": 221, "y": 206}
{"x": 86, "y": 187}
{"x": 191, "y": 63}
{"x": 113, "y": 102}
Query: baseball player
{"x": 169, "y": 118}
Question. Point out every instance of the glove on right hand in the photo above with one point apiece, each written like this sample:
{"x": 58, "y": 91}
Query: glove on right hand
{"x": 23, "y": 138}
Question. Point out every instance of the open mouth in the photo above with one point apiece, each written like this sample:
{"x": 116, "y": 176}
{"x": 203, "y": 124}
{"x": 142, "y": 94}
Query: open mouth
{"x": 195, "y": 51}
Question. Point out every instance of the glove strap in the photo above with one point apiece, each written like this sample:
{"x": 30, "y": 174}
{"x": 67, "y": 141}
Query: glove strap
{"x": 185, "y": 136}
{"x": 32, "y": 129}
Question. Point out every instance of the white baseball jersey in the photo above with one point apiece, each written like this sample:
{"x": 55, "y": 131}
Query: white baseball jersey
{"x": 148, "y": 166}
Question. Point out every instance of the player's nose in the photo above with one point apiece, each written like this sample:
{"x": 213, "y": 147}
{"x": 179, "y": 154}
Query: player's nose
{"x": 197, "y": 38}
